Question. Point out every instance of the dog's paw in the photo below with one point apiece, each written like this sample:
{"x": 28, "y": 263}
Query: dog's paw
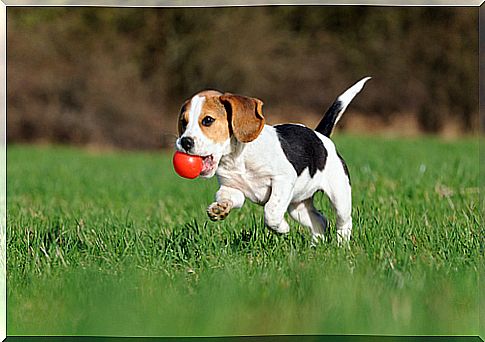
{"x": 282, "y": 228}
{"x": 219, "y": 210}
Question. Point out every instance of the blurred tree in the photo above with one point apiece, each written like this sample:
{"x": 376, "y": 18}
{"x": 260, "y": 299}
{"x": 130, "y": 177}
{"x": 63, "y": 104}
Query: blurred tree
{"x": 118, "y": 75}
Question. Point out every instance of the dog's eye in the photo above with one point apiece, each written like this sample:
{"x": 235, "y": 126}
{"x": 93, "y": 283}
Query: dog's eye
{"x": 207, "y": 121}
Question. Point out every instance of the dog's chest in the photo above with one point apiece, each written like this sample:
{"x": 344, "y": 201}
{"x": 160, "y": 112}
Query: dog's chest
{"x": 249, "y": 178}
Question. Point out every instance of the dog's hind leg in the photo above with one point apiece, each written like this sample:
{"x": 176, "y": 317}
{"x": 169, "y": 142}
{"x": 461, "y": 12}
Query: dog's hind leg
{"x": 341, "y": 198}
{"x": 306, "y": 213}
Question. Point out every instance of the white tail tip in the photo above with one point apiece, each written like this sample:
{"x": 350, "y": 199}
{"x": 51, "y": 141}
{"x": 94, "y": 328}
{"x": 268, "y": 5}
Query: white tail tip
{"x": 352, "y": 91}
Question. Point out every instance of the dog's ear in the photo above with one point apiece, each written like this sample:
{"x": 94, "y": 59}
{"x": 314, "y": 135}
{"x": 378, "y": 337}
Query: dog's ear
{"x": 245, "y": 116}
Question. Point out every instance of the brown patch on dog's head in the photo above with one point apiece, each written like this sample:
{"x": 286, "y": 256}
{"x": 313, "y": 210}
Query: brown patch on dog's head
{"x": 245, "y": 116}
{"x": 184, "y": 118}
{"x": 209, "y": 93}
{"x": 213, "y": 112}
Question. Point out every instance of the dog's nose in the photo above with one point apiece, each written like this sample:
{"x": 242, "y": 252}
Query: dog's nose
{"x": 187, "y": 143}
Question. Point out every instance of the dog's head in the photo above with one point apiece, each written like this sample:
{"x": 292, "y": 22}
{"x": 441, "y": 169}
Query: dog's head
{"x": 210, "y": 120}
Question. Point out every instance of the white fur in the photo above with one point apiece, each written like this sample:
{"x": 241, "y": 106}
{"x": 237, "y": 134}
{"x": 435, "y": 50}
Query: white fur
{"x": 349, "y": 94}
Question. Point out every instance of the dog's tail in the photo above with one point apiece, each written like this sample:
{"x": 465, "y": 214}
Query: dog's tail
{"x": 334, "y": 113}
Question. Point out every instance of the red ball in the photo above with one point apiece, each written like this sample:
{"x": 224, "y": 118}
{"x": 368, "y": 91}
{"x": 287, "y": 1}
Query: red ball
{"x": 186, "y": 165}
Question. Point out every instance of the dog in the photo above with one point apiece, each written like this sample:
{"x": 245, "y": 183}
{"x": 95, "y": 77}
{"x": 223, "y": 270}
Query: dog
{"x": 280, "y": 167}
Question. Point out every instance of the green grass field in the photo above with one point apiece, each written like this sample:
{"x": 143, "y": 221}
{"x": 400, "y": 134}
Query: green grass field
{"x": 114, "y": 243}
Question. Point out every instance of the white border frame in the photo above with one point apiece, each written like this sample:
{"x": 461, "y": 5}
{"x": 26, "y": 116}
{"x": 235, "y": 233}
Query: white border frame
{"x": 3, "y": 171}
{"x": 170, "y": 3}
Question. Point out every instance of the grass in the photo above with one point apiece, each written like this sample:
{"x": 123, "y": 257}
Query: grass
{"x": 114, "y": 243}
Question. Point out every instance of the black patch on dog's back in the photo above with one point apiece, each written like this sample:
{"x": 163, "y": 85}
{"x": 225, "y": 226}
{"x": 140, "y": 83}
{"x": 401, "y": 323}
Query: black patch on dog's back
{"x": 302, "y": 148}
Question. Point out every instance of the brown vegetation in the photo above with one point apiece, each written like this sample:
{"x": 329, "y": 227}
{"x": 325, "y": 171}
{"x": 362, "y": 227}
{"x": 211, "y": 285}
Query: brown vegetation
{"x": 117, "y": 76}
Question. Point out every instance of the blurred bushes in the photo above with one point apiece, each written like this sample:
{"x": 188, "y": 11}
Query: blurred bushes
{"x": 117, "y": 76}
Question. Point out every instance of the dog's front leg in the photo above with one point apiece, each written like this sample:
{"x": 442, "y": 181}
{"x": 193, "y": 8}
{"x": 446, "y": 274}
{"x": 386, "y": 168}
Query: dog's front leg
{"x": 275, "y": 208}
{"x": 226, "y": 199}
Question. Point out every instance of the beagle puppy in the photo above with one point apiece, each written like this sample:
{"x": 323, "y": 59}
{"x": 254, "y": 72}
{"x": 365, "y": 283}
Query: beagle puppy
{"x": 280, "y": 167}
